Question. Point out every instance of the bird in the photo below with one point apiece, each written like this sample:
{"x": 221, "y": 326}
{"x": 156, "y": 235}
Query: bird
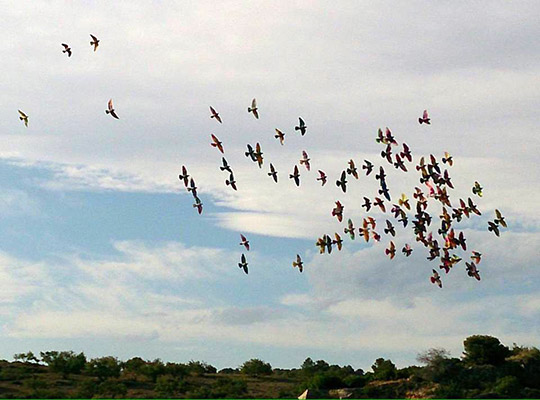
{"x": 192, "y": 188}
{"x": 342, "y": 182}
{"x": 94, "y": 42}
{"x": 258, "y": 155}
{"x": 477, "y": 189}
{"x": 279, "y": 135}
{"x": 447, "y": 159}
{"x": 216, "y": 143}
{"x": 67, "y": 49}
{"x": 406, "y": 153}
{"x": 391, "y": 250}
{"x": 295, "y": 175}
{"x": 436, "y": 278}
{"x": 198, "y": 204}
{"x": 298, "y": 263}
{"x": 493, "y": 227}
{"x": 226, "y": 166}
{"x": 322, "y": 177}
{"x": 244, "y": 242}
{"x": 500, "y": 219}
{"x": 337, "y": 211}
{"x": 407, "y": 250}
{"x": 472, "y": 271}
{"x": 350, "y": 229}
{"x": 243, "y": 263}
{"x": 253, "y": 109}
{"x": 215, "y": 115}
{"x": 251, "y": 153}
{"x": 273, "y": 173}
{"x": 301, "y": 126}
{"x": 399, "y": 164}
{"x": 476, "y": 257}
{"x": 338, "y": 242}
{"x": 368, "y": 166}
{"x": 23, "y": 117}
{"x": 404, "y": 201}
{"x": 390, "y": 228}
{"x": 352, "y": 170}
{"x": 425, "y": 118}
{"x": 387, "y": 153}
{"x": 305, "y": 160}
{"x": 231, "y": 181}
{"x": 367, "y": 204}
{"x": 110, "y": 109}
{"x": 380, "y": 203}
{"x": 184, "y": 176}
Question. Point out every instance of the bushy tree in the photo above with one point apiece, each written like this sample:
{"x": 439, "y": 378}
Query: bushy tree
{"x": 64, "y": 362}
{"x": 508, "y": 386}
{"x": 167, "y": 386}
{"x": 26, "y": 357}
{"x": 483, "y": 349}
{"x": 104, "y": 368}
{"x": 440, "y": 368}
{"x": 200, "y": 368}
{"x": 383, "y": 370}
{"x": 256, "y": 367}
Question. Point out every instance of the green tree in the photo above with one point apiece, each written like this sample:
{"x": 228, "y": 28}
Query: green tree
{"x": 104, "y": 368}
{"x": 383, "y": 370}
{"x": 256, "y": 367}
{"x": 167, "y": 386}
{"x": 26, "y": 357}
{"x": 483, "y": 349}
{"x": 508, "y": 386}
{"x": 64, "y": 362}
{"x": 111, "y": 388}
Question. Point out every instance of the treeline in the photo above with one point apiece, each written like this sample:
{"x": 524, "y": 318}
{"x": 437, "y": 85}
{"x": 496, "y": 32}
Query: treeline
{"x": 487, "y": 369}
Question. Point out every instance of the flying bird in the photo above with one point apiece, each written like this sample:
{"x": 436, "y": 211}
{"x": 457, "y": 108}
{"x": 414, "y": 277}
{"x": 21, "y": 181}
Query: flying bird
{"x": 198, "y": 204}
{"x": 253, "y": 109}
{"x": 67, "y": 49}
{"x": 184, "y": 176}
{"x": 244, "y": 242}
{"x": 94, "y": 42}
{"x": 477, "y": 189}
{"x": 391, "y": 250}
{"x": 243, "y": 263}
{"x": 493, "y": 227}
{"x": 476, "y": 257}
{"x": 425, "y": 118}
{"x": 216, "y": 143}
{"x": 110, "y": 109}
{"x": 251, "y": 153}
{"x": 231, "y": 181}
{"x": 298, "y": 263}
{"x": 258, "y": 155}
{"x": 500, "y": 219}
{"x": 273, "y": 173}
{"x": 280, "y": 135}
{"x": 390, "y": 228}
{"x": 436, "y": 278}
{"x": 322, "y": 177}
{"x": 226, "y": 166}
{"x": 215, "y": 114}
{"x": 367, "y": 204}
{"x": 350, "y": 229}
{"x": 380, "y": 203}
{"x": 338, "y": 242}
{"x": 23, "y": 117}
{"x": 472, "y": 271}
{"x": 192, "y": 188}
{"x": 305, "y": 160}
{"x": 368, "y": 166}
{"x": 406, "y": 153}
{"x": 301, "y": 126}
{"x": 337, "y": 211}
{"x": 295, "y": 175}
{"x": 447, "y": 159}
{"x": 407, "y": 250}
{"x": 352, "y": 170}
{"x": 342, "y": 182}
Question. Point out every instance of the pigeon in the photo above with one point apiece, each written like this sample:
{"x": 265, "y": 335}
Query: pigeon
{"x": 367, "y": 204}
{"x": 381, "y": 176}
{"x": 380, "y": 203}
{"x": 350, "y": 229}
{"x": 407, "y": 250}
{"x": 198, "y": 204}
{"x": 295, "y": 175}
{"x": 94, "y": 42}
{"x": 390, "y": 229}
{"x": 352, "y": 170}
{"x": 493, "y": 227}
{"x": 250, "y": 153}
{"x": 67, "y": 49}
{"x": 258, "y": 155}
{"x": 244, "y": 242}
{"x": 477, "y": 189}
{"x": 243, "y": 263}
{"x": 342, "y": 182}
{"x": 328, "y": 241}
{"x": 472, "y": 271}
{"x": 280, "y": 135}
{"x": 404, "y": 201}
{"x": 321, "y": 244}
{"x": 368, "y": 166}
{"x": 338, "y": 242}
{"x": 273, "y": 173}
{"x": 192, "y": 188}
{"x": 436, "y": 278}
{"x": 301, "y": 126}
{"x": 389, "y": 138}
{"x": 425, "y": 118}
{"x": 500, "y": 219}
{"x": 184, "y": 176}
{"x": 298, "y": 263}
{"x": 447, "y": 159}
{"x": 215, "y": 114}
{"x": 226, "y": 166}
{"x": 338, "y": 211}
{"x": 305, "y": 160}
{"x": 110, "y": 109}
{"x": 216, "y": 143}
{"x": 253, "y": 109}
{"x": 391, "y": 250}
{"x": 231, "y": 181}
{"x": 406, "y": 153}
{"x": 387, "y": 153}
{"x": 322, "y": 177}
{"x": 399, "y": 164}
{"x": 476, "y": 257}
{"x": 23, "y": 117}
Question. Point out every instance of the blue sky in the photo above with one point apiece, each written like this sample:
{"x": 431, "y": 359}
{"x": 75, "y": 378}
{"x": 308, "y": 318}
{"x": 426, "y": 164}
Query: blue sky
{"x": 102, "y": 252}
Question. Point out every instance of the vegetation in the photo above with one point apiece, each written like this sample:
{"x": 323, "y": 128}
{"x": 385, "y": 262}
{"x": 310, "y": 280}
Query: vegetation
{"x": 487, "y": 369}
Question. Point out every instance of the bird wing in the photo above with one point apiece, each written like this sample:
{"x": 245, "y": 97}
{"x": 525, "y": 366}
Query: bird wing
{"x": 95, "y": 39}
{"x": 113, "y": 113}
{"x": 254, "y": 103}
{"x": 110, "y": 105}
{"x": 425, "y": 115}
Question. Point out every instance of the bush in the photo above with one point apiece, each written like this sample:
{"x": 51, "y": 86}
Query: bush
{"x": 256, "y": 367}
{"x": 167, "y": 385}
{"x": 483, "y": 349}
{"x": 64, "y": 362}
{"x": 383, "y": 370}
{"x": 103, "y": 368}
{"x": 111, "y": 388}
{"x": 508, "y": 386}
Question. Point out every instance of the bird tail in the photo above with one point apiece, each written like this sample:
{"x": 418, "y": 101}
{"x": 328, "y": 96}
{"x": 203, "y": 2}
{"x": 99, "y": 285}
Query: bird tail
{"x": 296, "y": 128}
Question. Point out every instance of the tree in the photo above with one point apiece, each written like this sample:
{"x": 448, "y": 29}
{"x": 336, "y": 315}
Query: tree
{"x": 483, "y": 349}
{"x": 432, "y": 356}
{"x": 383, "y": 370}
{"x": 104, "y": 368}
{"x": 256, "y": 367}
{"x": 26, "y": 357}
{"x": 64, "y": 362}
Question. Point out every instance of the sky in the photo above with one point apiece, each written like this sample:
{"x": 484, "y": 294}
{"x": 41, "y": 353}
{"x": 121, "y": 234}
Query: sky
{"x": 101, "y": 250}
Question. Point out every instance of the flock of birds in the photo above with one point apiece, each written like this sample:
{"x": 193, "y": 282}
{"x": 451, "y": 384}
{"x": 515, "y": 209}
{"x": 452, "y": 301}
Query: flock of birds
{"x": 434, "y": 185}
